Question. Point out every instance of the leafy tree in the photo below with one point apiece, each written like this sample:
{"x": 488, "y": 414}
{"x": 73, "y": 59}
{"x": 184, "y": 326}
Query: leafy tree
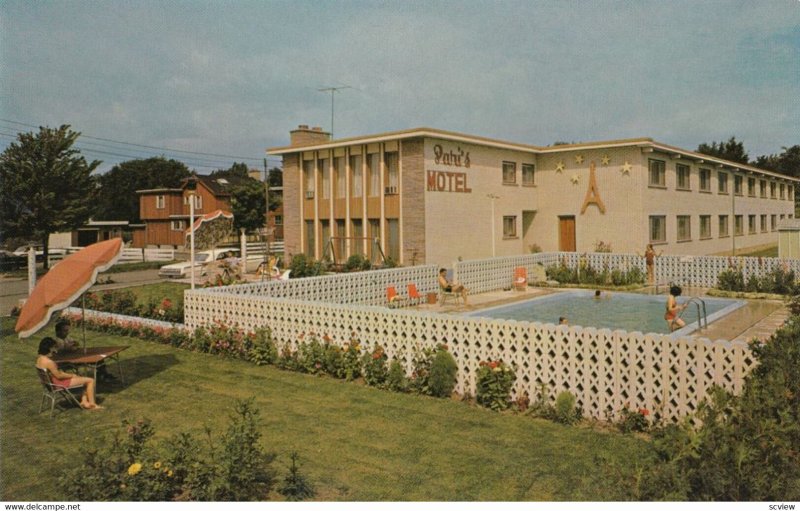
{"x": 732, "y": 150}
{"x": 118, "y": 199}
{"x": 247, "y": 201}
{"x": 787, "y": 163}
{"x": 240, "y": 170}
{"x": 46, "y": 186}
{"x": 275, "y": 177}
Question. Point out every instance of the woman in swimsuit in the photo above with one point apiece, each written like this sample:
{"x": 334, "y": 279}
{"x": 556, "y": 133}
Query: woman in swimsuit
{"x": 62, "y": 378}
{"x": 671, "y": 315}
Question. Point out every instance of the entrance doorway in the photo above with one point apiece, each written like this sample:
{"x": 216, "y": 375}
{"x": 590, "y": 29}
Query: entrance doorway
{"x": 566, "y": 233}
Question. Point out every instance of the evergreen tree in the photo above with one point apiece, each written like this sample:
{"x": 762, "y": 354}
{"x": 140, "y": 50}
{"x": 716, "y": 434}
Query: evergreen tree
{"x": 46, "y": 186}
{"x": 732, "y": 150}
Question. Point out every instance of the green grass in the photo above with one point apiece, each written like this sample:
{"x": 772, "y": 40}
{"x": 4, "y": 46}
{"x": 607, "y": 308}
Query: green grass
{"x": 172, "y": 290}
{"x": 355, "y": 442}
{"x": 767, "y": 252}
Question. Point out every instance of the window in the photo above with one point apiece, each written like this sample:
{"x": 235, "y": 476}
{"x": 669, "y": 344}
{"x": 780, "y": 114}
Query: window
{"x": 657, "y": 173}
{"x": 705, "y": 180}
{"x": 159, "y": 202}
{"x": 325, "y": 170}
{"x": 311, "y": 239}
{"x": 738, "y": 226}
{"x": 374, "y": 233}
{"x": 177, "y": 225}
{"x": 772, "y": 188}
{"x": 356, "y": 184}
{"x": 705, "y": 227}
{"x": 790, "y": 192}
{"x": 357, "y": 245}
{"x": 684, "y": 228}
{"x": 393, "y": 238}
{"x": 763, "y": 185}
{"x": 723, "y": 226}
{"x": 773, "y": 222}
{"x": 737, "y": 185}
{"x": 751, "y": 186}
{"x": 763, "y": 223}
{"x": 751, "y": 224}
{"x": 528, "y": 174}
{"x": 658, "y": 229}
{"x": 392, "y": 172}
{"x": 325, "y": 231}
{"x": 722, "y": 182}
{"x": 341, "y": 177}
{"x": 783, "y": 191}
{"x": 198, "y": 201}
{"x": 278, "y": 219}
{"x": 308, "y": 177}
{"x": 509, "y": 227}
{"x": 684, "y": 176}
{"x": 374, "y": 176}
{"x": 339, "y": 243}
{"x": 783, "y": 216}
{"x": 509, "y": 173}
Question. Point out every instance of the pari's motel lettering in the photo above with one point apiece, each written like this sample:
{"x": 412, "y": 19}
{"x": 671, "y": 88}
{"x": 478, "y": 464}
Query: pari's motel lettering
{"x": 445, "y": 180}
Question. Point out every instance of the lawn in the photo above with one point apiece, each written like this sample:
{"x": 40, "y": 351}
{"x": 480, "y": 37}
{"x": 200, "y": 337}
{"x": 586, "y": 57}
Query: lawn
{"x": 356, "y": 443}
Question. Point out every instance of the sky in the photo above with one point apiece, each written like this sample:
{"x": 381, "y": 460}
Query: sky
{"x": 213, "y": 82}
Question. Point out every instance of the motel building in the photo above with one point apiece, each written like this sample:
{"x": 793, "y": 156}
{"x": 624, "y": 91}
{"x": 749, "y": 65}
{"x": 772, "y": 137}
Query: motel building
{"x": 427, "y": 196}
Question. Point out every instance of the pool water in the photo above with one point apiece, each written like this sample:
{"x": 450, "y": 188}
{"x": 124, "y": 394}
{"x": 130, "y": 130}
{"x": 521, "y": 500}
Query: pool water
{"x": 616, "y": 311}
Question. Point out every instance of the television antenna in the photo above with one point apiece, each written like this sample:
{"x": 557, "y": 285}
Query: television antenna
{"x": 333, "y": 91}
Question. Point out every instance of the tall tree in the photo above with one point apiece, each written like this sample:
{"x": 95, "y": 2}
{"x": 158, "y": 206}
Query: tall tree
{"x": 732, "y": 150}
{"x": 118, "y": 199}
{"x": 240, "y": 170}
{"x": 46, "y": 186}
{"x": 247, "y": 201}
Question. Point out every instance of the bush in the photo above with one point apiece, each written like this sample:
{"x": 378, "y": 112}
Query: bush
{"x": 374, "y": 364}
{"x": 263, "y": 350}
{"x": 304, "y": 266}
{"x": 311, "y": 356}
{"x": 396, "y": 379}
{"x": 421, "y": 373}
{"x": 590, "y": 275}
{"x": 130, "y": 468}
{"x": 443, "y": 371}
{"x": 295, "y": 486}
{"x": 565, "y": 410}
{"x": 631, "y": 420}
{"x": 357, "y": 262}
{"x": 493, "y": 386}
{"x": 352, "y": 360}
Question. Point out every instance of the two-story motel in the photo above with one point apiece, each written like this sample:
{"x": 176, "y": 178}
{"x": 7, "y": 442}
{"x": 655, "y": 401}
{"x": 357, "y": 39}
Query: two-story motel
{"x": 430, "y": 196}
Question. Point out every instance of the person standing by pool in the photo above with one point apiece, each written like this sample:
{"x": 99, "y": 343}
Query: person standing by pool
{"x": 673, "y": 308}
{"x": 650, "y": 262}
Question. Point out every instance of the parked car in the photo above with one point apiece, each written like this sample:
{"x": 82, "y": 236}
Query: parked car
{"x": 23, "y": 252}
{"x": 10, "y": 261}
{"x": 201, "y": 260}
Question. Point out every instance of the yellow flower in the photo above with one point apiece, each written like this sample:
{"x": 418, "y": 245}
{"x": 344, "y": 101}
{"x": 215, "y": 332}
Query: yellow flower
{"x": 134, "y": 469}
{"x": 157, "y": 464}
{"x": 169, "y": 474}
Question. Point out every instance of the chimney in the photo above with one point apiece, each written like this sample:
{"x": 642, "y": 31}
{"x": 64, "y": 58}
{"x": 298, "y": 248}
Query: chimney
{"x": 304, "y": 135}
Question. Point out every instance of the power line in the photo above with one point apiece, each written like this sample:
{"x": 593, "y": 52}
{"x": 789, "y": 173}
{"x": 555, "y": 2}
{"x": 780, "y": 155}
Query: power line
{"x": 148, "y": 146}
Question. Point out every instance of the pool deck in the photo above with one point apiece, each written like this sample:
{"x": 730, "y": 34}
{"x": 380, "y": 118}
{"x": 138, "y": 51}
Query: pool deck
{"x": 756, "y": 319}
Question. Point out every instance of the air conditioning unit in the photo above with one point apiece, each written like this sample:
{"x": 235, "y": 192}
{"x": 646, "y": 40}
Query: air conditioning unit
{"x": 391, "y": 190}
{"x": 310, "y": 194}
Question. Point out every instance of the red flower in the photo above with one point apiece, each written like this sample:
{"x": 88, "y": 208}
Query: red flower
{"x": 644, "y": 412}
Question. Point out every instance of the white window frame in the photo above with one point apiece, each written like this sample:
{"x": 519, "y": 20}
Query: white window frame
{"x": 160, "y": 201}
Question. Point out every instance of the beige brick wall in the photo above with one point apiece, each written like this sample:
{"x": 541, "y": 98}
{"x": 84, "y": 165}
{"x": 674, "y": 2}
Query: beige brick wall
{"x": 292, "y": 220}
{"x": 413, "y": 206}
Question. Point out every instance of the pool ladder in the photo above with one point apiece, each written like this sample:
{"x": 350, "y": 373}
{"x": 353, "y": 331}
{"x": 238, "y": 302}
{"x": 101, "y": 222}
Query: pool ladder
{"x": 700, "y": 305}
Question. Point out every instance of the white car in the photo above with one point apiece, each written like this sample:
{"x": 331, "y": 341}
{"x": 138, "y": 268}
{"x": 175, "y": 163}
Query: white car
{"x": 201, "y": 260}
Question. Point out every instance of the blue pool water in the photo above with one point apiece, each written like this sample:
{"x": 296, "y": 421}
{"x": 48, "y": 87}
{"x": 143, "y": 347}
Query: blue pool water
{"x": 619, "y": 311}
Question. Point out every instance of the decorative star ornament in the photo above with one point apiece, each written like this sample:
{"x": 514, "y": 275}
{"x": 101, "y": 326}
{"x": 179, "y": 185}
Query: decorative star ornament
{"x": 626, "y": 169}
{"x": 560, "y": 167}
{"x": 578, "y": 159}
{"x": 575, "y": 179}
{"x": 605, "y": 159}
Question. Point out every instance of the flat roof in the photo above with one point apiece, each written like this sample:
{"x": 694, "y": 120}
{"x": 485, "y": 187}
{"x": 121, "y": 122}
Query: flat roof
{"x": 644, "y": 142}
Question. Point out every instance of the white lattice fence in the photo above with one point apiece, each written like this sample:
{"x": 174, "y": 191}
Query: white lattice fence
{"x": 605, "y": 370}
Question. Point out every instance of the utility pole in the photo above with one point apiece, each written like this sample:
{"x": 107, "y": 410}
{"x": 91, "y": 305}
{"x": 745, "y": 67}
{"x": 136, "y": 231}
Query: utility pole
{"x": 333, "y": 91}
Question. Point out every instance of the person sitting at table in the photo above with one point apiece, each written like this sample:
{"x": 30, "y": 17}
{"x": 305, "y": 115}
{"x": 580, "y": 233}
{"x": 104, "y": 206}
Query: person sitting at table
{"x": 65, "y": 344}
{"x": 64, "y": 379}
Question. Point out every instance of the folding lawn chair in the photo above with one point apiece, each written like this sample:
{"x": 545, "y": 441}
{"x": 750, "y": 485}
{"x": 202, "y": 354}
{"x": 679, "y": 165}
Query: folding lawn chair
{"x": 53, "y": 391}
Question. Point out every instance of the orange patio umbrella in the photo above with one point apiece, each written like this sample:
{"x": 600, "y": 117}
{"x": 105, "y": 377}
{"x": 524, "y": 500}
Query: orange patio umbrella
{"x": 65, "y": 283}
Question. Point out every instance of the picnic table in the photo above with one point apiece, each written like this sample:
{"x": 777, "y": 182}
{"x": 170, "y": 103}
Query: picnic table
{"x": 92, "y": 357}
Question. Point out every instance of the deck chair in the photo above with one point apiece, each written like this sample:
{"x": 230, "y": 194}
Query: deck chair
{"x": 520, "y": 278}
{"x": 413, "y": 294}
{"x": 53, "y": 391}
{"x": 392, "y": 297}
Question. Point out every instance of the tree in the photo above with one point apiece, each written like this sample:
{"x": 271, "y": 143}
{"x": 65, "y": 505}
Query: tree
{"x": 46, "y": 186}
{"x": 247, "y": 201}
{"x": 275, "y": 177}
{"x": 118, "y": 200}
{"x": 732, "y": 150}
{"x": 240, "y": 170}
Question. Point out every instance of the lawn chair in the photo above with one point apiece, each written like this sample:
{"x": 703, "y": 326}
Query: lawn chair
{"x": 392, "y": 297}
{"x": 520, "y": 278}
{"x": 53, "y": 391}
{"x": 413, "y": 295}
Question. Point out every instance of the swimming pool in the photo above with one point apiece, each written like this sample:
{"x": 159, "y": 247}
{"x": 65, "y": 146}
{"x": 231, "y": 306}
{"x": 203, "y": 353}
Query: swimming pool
{"x": 618, "y": 311}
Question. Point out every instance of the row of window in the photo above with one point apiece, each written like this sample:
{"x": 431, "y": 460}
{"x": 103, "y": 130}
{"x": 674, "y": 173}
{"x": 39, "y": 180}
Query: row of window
{"x": 755, "y": 224}
{"x": 161, "y": 201}
{"x": 357, "y": 237}
{"x": 391, "y": 163}
{"x": 755, "y": 187}
{"x": 510, "y": 173}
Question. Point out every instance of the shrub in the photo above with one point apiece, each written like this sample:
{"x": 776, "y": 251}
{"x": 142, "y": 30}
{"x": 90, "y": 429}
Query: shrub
{"x": 396, "y": 379}
{"x": 493, "y": 386}
{"x": 304, "y": 266}
{"x": 311, "y": 356}
{"x": 263, "y": 350}
{"x": 295, "y": 486}
{"x": 631, "y": 420}
{"x": 421, "y": 373}
{"x": 333, "y": 362}
{"x": 352, "y": 360}
{"x": 565, "y": 410}
{"x": 374, "y": 364}
{"x": 357, "y": 262}
{"x": 443, "y": 371}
